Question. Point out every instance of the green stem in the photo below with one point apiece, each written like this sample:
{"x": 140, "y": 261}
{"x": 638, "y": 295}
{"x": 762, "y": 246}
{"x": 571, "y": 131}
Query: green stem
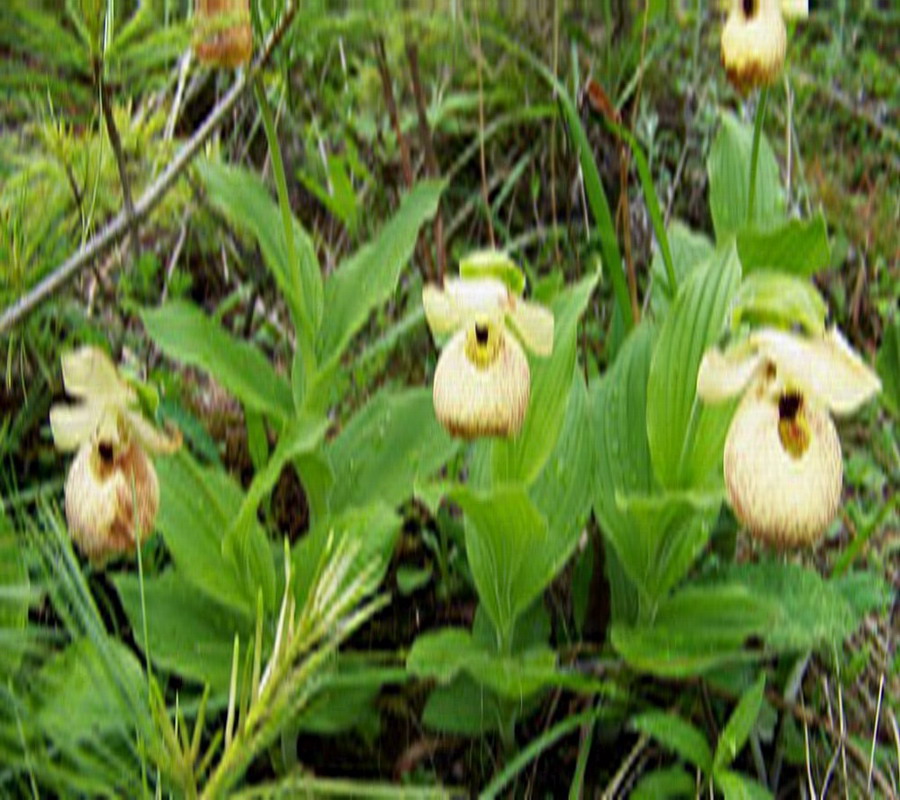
{"x": 754, "y": 153}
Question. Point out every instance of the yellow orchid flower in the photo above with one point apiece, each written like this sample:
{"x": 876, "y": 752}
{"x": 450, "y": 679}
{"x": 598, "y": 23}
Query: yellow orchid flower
{"x": 754, "y": 39}
{"x": 111, "y": 490}
{"x": 782, "y": 464}
{"x": 482, "y": 383}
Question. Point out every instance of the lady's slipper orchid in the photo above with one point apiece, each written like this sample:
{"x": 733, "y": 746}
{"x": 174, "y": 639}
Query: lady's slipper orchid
{"x": 482, "y": 383}
{"x": 754, "y": 40}
{"x": 112, "y": 492}
{"x": 223, "y": 36}
{"x": 782, "y": 464}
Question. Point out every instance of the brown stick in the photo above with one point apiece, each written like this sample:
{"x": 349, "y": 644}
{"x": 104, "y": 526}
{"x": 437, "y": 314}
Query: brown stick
{"x": 431, "y": 162}
{"x": 625, "y": 217}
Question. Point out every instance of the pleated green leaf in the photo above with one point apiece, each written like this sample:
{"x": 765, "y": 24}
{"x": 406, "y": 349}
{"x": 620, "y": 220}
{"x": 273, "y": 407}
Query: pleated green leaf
{"x": 509, "y": 551}
{"x": 186, "y": 334}
{"x": 189, "y": 634}
{"x": 798, "y": 247}
{"x": 197, "y": 505}
{"x": 390, "y": 445}
{"x": 370, "y": 275}
{"x": 686, "y": 437}
{"x": 245, "y": 543}
{"x": 522, "y": 458}
{"x": 695, "y": 630}
{"x": 676, "y": 734}
{"x": 729, "y": 180}
{"x": 740, "y": 724}
{"x": 245, "y": 201}
{"x": 563, "y": 490}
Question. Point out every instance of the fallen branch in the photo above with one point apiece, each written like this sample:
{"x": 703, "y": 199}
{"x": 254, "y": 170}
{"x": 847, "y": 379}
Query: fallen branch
{"x": 120, "y": 225}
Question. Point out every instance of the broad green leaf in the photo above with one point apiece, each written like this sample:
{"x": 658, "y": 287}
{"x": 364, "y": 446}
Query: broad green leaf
{"x": 776, "y": 298}
{"x": 245, "y": 544}
{"x": 676, "y": 734}
{"x": 344, "y": 701}
{"x": 695, "y": 630}
{"x": 374, "y": 528}
{"x": 341, "y": 200}
{"x": 197, "y": 505}
{"x": 80, "y": 701}
{"x": 189, "y": 634}
{"x": 622, "y": 461}
{"x": 664, "y": 783}
{"x": 388, "y": 447}
{"x": 888, "y": 365}
{"x": 411, "y": 579}
{"x": 619, "y": 402}
{"x": 864, "y": 590}
{"x": 464, "y": 708}
{"x": 797, "y": 247}
{"x": 670, "y": 529}
{"x": 186, "y": 334}
{"x": 522, "y": 458}
{"x": 689, "y": 249}
{"x": 739, "y": 787}
{"x": 507, "y": 544}
{"x": 687, "y": 437}
{"x": 740, "y": 724}
{"x": 317, "y": 478}
{"x": 241, "y": 196}
{"x": 369, "y": 276}
{"x": 563, "y": 490}
{"x": 257, "y": 438}
{"x": 443, "y": 654}
{"x": 810, "y": 612}
{"x": 729, "y": 180}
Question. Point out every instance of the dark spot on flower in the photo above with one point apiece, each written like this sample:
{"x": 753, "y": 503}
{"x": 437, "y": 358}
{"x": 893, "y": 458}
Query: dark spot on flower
{"x": 481, "y": 334}
{"x": 789, "y": 405}
{"x": 749, "y": 8}
{"x": 105, "y": 449}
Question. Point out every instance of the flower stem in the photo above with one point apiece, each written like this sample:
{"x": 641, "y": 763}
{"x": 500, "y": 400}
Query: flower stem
{"x": 754, "y": 153}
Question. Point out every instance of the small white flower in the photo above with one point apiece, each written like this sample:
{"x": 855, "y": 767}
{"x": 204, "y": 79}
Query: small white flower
{"x": 482, "y": 383}
{"x": 111, "y": 490}
{"x": 782, "y": 462}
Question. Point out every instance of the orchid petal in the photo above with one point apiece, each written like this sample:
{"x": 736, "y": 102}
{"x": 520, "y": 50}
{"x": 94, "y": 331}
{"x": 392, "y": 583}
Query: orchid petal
{"x": 825, "y": 367}
{"x": 795, "y": 9}
{"x": 725, "y": 375}
{"x": 477, "y": 295}
{"x": 440, "y": 310}
{"x": 534, "y": 325}
{"x": 88, "y": 372}
{"x": 461, "y": 301}
{"x": 149, "y": 437}
{"x": 74, "y": 425}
